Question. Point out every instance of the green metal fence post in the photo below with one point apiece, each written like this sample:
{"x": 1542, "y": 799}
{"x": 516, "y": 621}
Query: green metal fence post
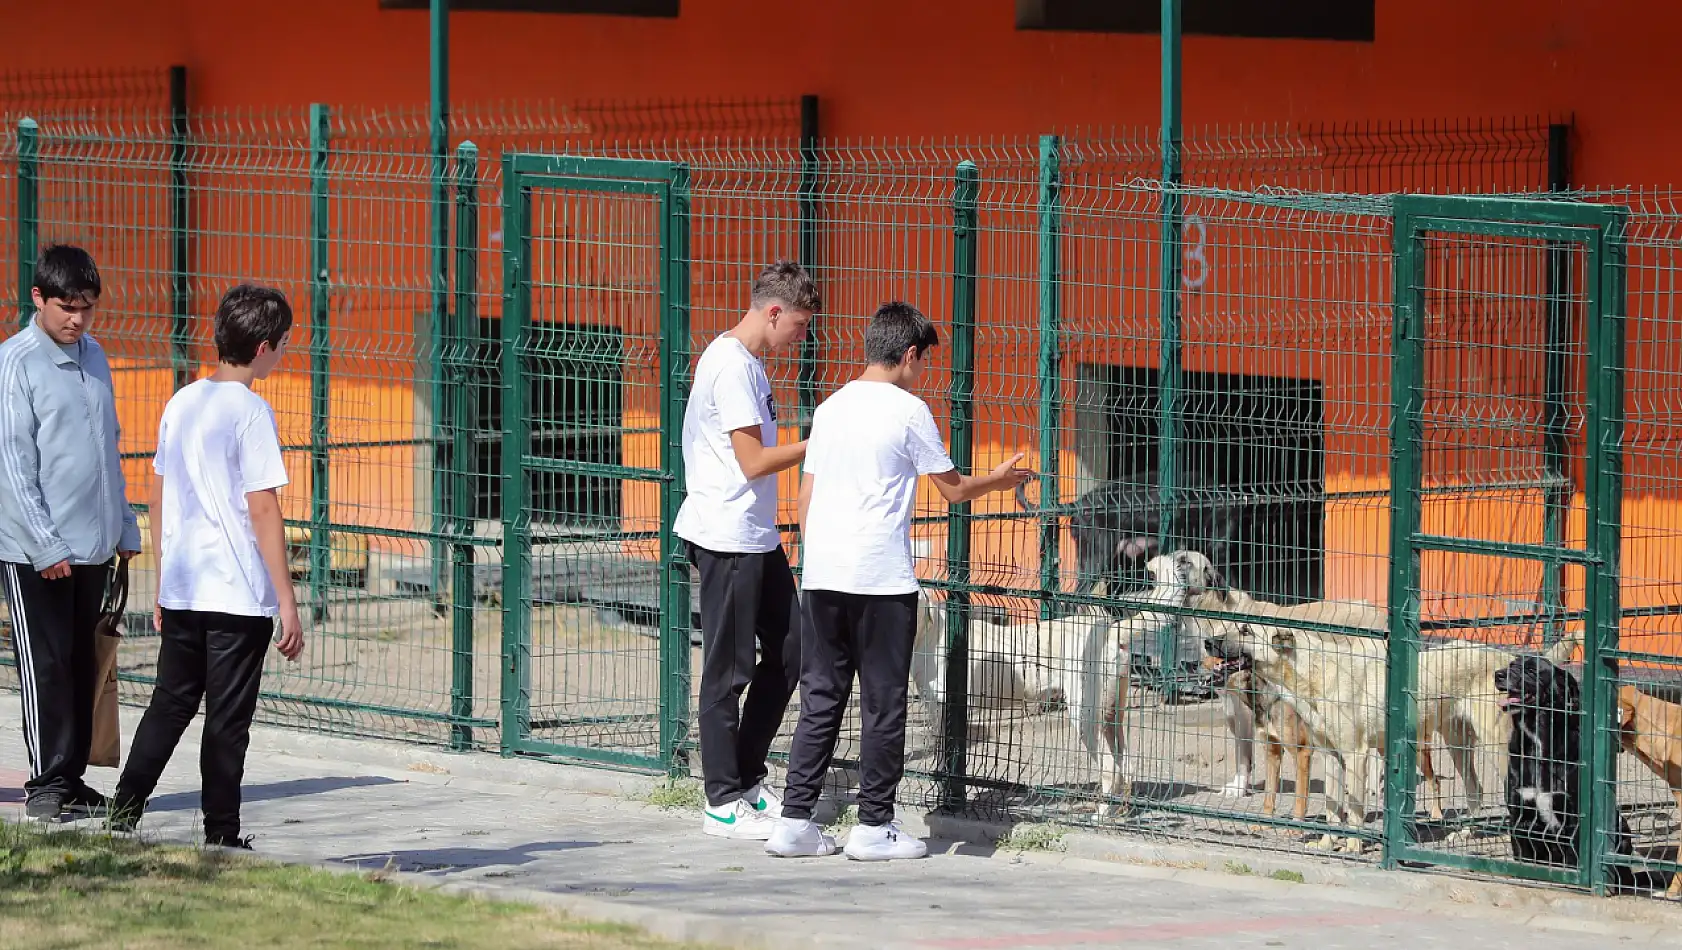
{"x": 810, "y": 349}
{"x": 1050, "y": 365}
{"x": 321, "y": 349}
{"x": 461, "y": 353}
{"x": 954, "y": 758}
{"x": 180, "y": 304}
{"x": 516, "y": 439}
{"x": 1604, "y": 436}
{"x": 439, "y": 278}
{"x": 1168, "y": 380}
{"x": 1557, "y": 487}
{"x": 29, "y": 214}
{"x": 1406, "y": 430}
{"x": 674, "y": 567}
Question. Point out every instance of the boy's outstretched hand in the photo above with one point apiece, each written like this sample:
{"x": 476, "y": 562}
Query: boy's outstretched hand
{"x": 1010, "y": 474}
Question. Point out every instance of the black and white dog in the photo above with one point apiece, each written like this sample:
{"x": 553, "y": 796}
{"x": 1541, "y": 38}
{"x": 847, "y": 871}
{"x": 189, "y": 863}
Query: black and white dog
{"x": 1544, "y": 760}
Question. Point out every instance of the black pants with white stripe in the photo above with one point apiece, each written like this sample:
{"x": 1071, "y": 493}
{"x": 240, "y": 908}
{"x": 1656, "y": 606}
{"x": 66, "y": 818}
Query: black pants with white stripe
{"x": 52, "y": 634}
{"x": 217, "y": 658}
{"x": 746, "y": 600}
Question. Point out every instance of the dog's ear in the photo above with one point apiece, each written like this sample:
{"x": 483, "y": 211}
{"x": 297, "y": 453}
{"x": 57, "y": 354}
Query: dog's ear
{"x": 1136, "y": 547}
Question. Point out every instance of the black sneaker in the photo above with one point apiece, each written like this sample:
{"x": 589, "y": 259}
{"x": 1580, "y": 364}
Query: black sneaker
{"x": 85, "y": 803}
{"x": 229, "y": 841}
{"x": 45, "y": 806}
{"x": 122, "y": 817}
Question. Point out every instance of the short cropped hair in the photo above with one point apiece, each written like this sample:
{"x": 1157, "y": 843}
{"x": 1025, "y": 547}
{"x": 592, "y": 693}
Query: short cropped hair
{"x": 248, "y": 316}
{"x": 66, "y": 272}
{"x": 787, "y": 283}
{"x": 897, "y": 327}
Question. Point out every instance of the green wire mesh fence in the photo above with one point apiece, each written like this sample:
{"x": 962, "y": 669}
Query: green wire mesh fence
{"x": 544, "y": 621}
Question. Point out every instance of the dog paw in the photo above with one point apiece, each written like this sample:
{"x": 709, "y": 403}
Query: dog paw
{"x": 1354, "y": 846}
{"x": 1325, "y": 843}
{"x": 1239, "y": 787}
{"x": 1456, "y": 837}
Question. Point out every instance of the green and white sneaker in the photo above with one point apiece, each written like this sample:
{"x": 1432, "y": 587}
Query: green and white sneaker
{"x": 737, "y": 820}
{"x": 764, "y": 801}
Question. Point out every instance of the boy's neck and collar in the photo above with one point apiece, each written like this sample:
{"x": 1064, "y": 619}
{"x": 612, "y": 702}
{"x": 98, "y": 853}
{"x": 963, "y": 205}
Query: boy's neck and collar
{"x": 769, "y": 327}
{"x": 229, "y": 373}
{"x": 902, "y": 374}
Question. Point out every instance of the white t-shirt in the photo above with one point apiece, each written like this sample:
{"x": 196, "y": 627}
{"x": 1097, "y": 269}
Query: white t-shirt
{"x": 724, "y": 511}
{"x": 216, "y": 442}
{"x": 869, "y": 442}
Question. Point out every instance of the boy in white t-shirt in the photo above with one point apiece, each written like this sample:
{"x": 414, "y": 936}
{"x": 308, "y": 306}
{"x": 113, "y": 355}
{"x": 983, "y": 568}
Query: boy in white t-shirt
{"x": 223, "y": 579}
{"x": 869, "y": 443}
{"x": 729, "y": 518}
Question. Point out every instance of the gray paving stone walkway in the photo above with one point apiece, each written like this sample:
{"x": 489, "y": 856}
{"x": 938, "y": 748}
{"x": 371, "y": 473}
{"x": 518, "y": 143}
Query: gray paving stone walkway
{"x": 583, "y": 840}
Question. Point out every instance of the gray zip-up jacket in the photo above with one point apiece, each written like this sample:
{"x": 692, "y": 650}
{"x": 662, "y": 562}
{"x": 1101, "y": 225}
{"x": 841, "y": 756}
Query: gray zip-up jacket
{"x": 62, "y": 494}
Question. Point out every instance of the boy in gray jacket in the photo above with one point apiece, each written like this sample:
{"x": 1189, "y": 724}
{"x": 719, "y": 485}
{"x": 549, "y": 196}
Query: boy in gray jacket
{"x": 63, "y": 513}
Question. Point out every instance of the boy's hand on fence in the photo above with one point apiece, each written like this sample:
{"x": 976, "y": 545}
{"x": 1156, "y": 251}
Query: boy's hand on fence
{"x": 291, "y": 643}
{"x": 1009, "y": 474}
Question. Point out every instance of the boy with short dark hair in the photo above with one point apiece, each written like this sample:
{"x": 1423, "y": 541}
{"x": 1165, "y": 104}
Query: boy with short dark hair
{"x": 223, "y": 577}
{"x": 869, "y": 443}
{"x": 64, "y": 513}
{"x": 731, "y": 458}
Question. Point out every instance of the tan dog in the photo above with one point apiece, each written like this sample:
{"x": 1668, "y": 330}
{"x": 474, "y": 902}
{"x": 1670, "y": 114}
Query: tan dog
{"x": 1651, "y": 730}
{"x": 1337, "y": 685}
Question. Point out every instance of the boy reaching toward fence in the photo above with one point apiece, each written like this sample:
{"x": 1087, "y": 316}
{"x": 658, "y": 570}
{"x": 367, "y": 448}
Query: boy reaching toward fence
{"x": 223, "y": 578}
{"x": 869, "y": 443}
{"x": 729, "y": 519}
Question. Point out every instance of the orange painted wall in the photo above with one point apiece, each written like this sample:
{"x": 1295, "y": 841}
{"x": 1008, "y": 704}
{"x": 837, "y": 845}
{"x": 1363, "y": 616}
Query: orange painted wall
{"x": 956, "y": 69}
{"x": 934, "y": 69}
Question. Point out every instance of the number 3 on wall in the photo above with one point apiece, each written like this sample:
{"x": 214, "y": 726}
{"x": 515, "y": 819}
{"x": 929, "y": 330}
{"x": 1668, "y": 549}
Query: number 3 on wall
{"x": 1195, "y": 271}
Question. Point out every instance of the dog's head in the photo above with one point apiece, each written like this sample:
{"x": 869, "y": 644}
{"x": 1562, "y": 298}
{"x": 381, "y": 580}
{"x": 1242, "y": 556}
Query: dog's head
{"x": 1189, "y": 570}
{"x": 1532, "y": 684}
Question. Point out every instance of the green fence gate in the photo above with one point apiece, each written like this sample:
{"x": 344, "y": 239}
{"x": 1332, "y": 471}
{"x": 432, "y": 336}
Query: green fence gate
{"x": 595, "y": 359}
{"x": 1508, "y": 399}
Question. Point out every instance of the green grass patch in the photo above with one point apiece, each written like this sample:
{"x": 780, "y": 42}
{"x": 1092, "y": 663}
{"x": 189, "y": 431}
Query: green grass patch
{"x": 1295, "y": 877}
{"x": 674, "y": 793}
{"x": 1032, "y": 838}
{"x": 845, "y": 819}
{"x": 69, "y": 888}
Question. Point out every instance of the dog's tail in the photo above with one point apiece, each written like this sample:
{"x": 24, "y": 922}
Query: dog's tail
{"x": 1560, "y": 653}
{"x": 1101, "y": 663}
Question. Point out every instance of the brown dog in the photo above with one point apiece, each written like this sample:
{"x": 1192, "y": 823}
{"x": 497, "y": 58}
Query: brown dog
{"x": 1277, "y": 724}
{"x": 1651, "y": 730}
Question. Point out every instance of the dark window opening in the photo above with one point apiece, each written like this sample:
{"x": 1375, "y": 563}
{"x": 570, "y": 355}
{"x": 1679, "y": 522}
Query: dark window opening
{"x": 1257, "y": 437}
{"x": 1254, "y": 19}
{"x": 574, "y": 401}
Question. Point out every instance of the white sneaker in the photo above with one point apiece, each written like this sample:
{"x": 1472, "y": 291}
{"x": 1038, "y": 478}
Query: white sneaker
{"x": 799, "y": 838}
{"x": 887, "y": 842}
{"x": 737, "y": 820}
{"x": 764, "y": 801}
